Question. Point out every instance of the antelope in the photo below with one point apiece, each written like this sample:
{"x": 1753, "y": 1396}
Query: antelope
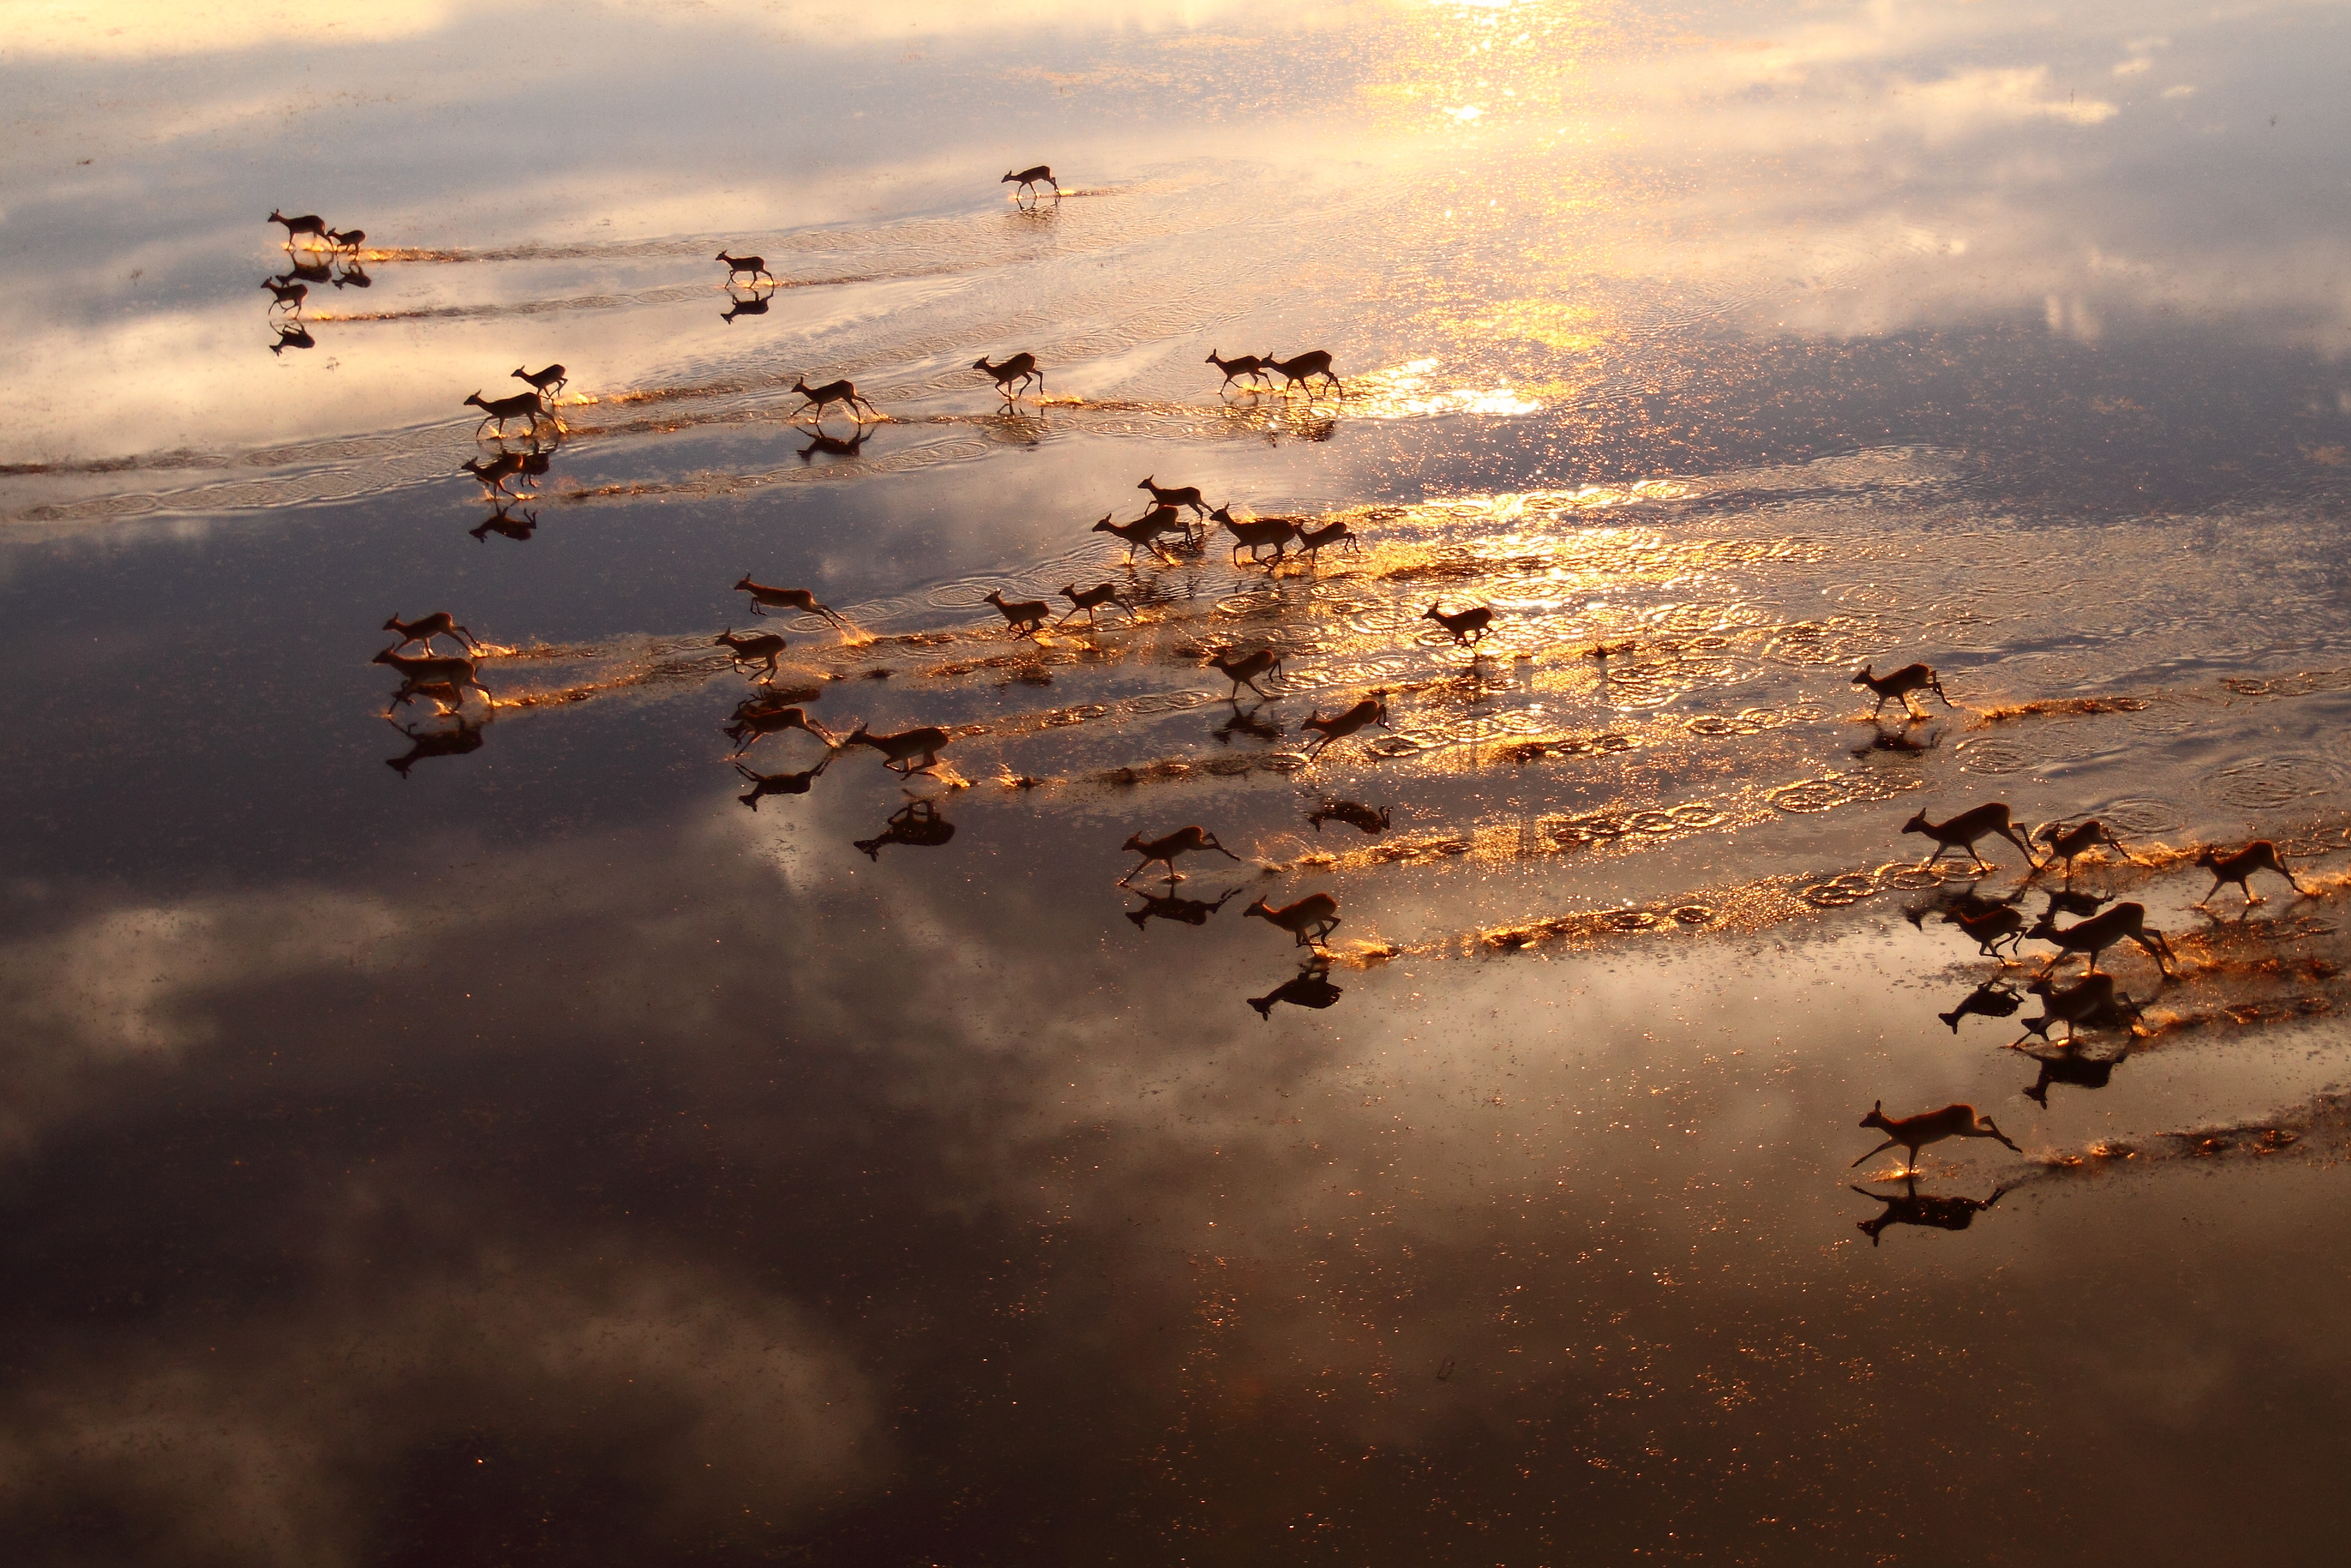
{"x": 1243, "y": 365}
{"x": 1143, "y": 533}
{"x": 1469, "y": 626}
{"x": 1257, "y": 533}
{"x": 752, "y": 723}
{"x": 1020, "y": 368}
{"x": 1965, "y": 829}
{"x": 1163, "y": 850}
{"x": 1162, "y": 518}
{"x": 499, "y": 523}
{"x": 496, "y": 471}
{"x": 1991, "y": 999}
{"x": 423, "y": 744}
{"x": 2090, "y": 1001}
{"x": 2065, "y": 842}
{"x": 917, "y": 823}
{"x": 308, "y": 224}
{"x": 2238, "y": 868}
{"x": 347, "y": 239}
{"x": 1989, "y": 929}
{"x": 540, "y": 380}
{"x": 1900, "y": 684}
{"x": 1309, "y": 540}
{"x": 1310, "y": 919}
{"x": 1092, "y": 599}
{"x": 1371, "y": 710}
{"x": 1914, "y": 1133}
{"x": 522, "y": 405}
{"x": 1244, "y": 670}
{"x": 1299, "y": 370}
{"x": 2083, "y": 1072}
{"x": 899, "y": 751}
{"x": 766, "y": 784}
{"x": 1171, "y": 907}
{"x": 756, "y": 265}
{"x": 1310, "y": 989}
{"x": 293, "y": 336}
{"x": 1025, "y": 616}
{"x": 1362, "y": 818}
{"x": 1025, "y": 179}
{"x": 800, "y": 599}
{"x": 1933, "y": 1212}
{"x": 1188, "y": 496}
{"x": 2100, "y": 932}
{"x": 756, "y": 647}
{"x": 831, "y": 392}
{"x": 289, "y": 294}
{"x": 426, "y": 627}
{"x": 431, "y": 670}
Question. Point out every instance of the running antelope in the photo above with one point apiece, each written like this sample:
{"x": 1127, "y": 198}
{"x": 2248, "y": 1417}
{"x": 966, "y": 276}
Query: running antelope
{"x": 899, "y": 751}
{"x": 1965, "y": 829}
{"x": 763, "y": 597}
{"x": 496, "y": 472}
{"x": 1092, "y": 599}
{"x": 1989, "y": 929}
{"x": 424, "y": 628}
{"x": 1244, "y": 365}
{"x": 756, "y": 265}
{"x": 522, "y": 405}
{"x": 2091, "y": 1000}
{"x": 1900, "y": 684}
{"x": 308, "y": 224}
{"x": 1164, "y": 519}
{"x": 431, "y": 670}
{"x": 1915, "y": 1133}
{"x": 1360, "y": 817}
{"x": 1257, "y": 533}
{"x": 1370, "y": 711}
{"x": 2100, "y": 932}
{"x": 1019, "y": 369}
{"x": 347, "y": 239}
{"x": 1310, "y": 919}
{"x": 1163, "y": 851}
{"x": 1311, "y": 540}
{"x": 289, "y": 294}
{"x": 1299, "y": 370}
{"x": 1991, "y": 999}
{"x": 1025, "y": 179}
{"x": 1026, "y": 616}
{"x": 766, "y": 784}
{"x": 2238, "y": 868}
{"x": 1188, "y": 496}
{"x": 832, "y": 392}
{"x": 1141, "y": 534}
{"x": 1244, "y": 669}
{"x": 542, "y": 380}
{"x": 2065, "y": 842}
{"x": 1469, "y": 626}
{"x": 752, "y": 648}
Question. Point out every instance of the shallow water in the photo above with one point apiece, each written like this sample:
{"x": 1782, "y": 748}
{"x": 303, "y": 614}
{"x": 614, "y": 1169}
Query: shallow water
{"x": 547, "y": 1132}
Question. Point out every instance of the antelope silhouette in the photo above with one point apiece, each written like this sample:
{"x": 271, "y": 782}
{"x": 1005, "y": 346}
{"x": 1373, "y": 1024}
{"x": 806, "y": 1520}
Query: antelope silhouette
{"x": 2238, "y": 868}
{"x": 756, "y": 305}
{"x": 1991, "y": 999}
{"x": 1469, "y": 626}
{"x": 1299, "y": 370}
{"x": 1092, "y": 599}
{"x": 1964, "y": 829}
{"x": 347, "y": 239}
{"x": 1165, "y": 849}
{"x": 501, "y": 523}
{"x": 1243, "y": 365}
{"x": 917, "y": 823}
{"x": 2100, "y": 932}
{"x": 755, "y": 266}
{"x": 522, "y": 405}
{"x": 2091, "y": 1000}
{"x": 1025, "y": 179}
{"x": 1914, "y": 1133}
{"x": 289, "y": 294}
{"x": 831, "y": 392}
{"x": 424, "y": 742}
{"x": 1244, "y": 669}
{"x": 835, "y": 445}
{"x": 432, "y": 670}
{"x": 1256, "y": 533}
{"x": 1311, "y": 919}
{"x": 1026, "y": 617}
{"x": 295, "y": 336}
{"x": 1989, "y": 929}
{"x": 1312, "y": 540}
{"x": 2066, "y": 842}
{"x": 753, "y": 725}
{"x": 307, "y": 271}
{"x": 1141, "y": 534}
{"x": 2068, "y": 1067}
{"x": 1371, "y": 710}
{"x": 424, "y": 628}
{"x": 1361, "y": 818}
{"x": 763, "y": 598}
{"x": 1900, "y": 684}
{"x": 307, "y": 223}
{"x": 553, "y": 378}
{"x": 766, "y": 784}
{"x": 1174, "y": 908}
{"x": 753, "y": 648}
{"x": 1934, "y": 1213}
{"x": 1309, "y": 987}
{"x": 1183, "y": 495}
{"x": 353, "y": 276}
{"x": 899, "y": 751}
{"x": 1020, "y": 369}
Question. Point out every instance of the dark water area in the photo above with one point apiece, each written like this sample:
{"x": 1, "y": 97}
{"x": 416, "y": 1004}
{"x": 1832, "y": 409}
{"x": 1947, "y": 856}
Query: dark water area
{"x": 535, "y": 1125}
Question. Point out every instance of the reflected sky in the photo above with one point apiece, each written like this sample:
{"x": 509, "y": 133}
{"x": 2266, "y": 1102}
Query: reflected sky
{"x": 563, "y": 1129}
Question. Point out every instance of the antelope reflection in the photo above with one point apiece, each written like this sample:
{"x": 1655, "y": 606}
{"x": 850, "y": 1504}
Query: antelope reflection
{"x": 1176, "y": 909}
{"x": 917, "y": 823}
{"x": 505, "y": 524}
{"x": 466, "y": 736}
{"x": 1924, "y": 1209}
{"x": 1309, "y": 987}
{"x": 2067, "y": 1065}
{"x": 766, "y": 784}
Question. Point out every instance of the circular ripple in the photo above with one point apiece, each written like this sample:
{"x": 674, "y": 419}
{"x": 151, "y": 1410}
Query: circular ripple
{"x": 1693, "y": 915}
{"x": 1812, "y": 795}
{"x": 1839, "y": 891}
{"x": 2267, "y": 783}
{"x": 1997, "y": 755}
{"x": 2136, "y": 814}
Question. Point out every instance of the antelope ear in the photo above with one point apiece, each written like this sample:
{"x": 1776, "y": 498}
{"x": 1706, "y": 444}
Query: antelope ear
{"x": 1879, "y": 1106}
